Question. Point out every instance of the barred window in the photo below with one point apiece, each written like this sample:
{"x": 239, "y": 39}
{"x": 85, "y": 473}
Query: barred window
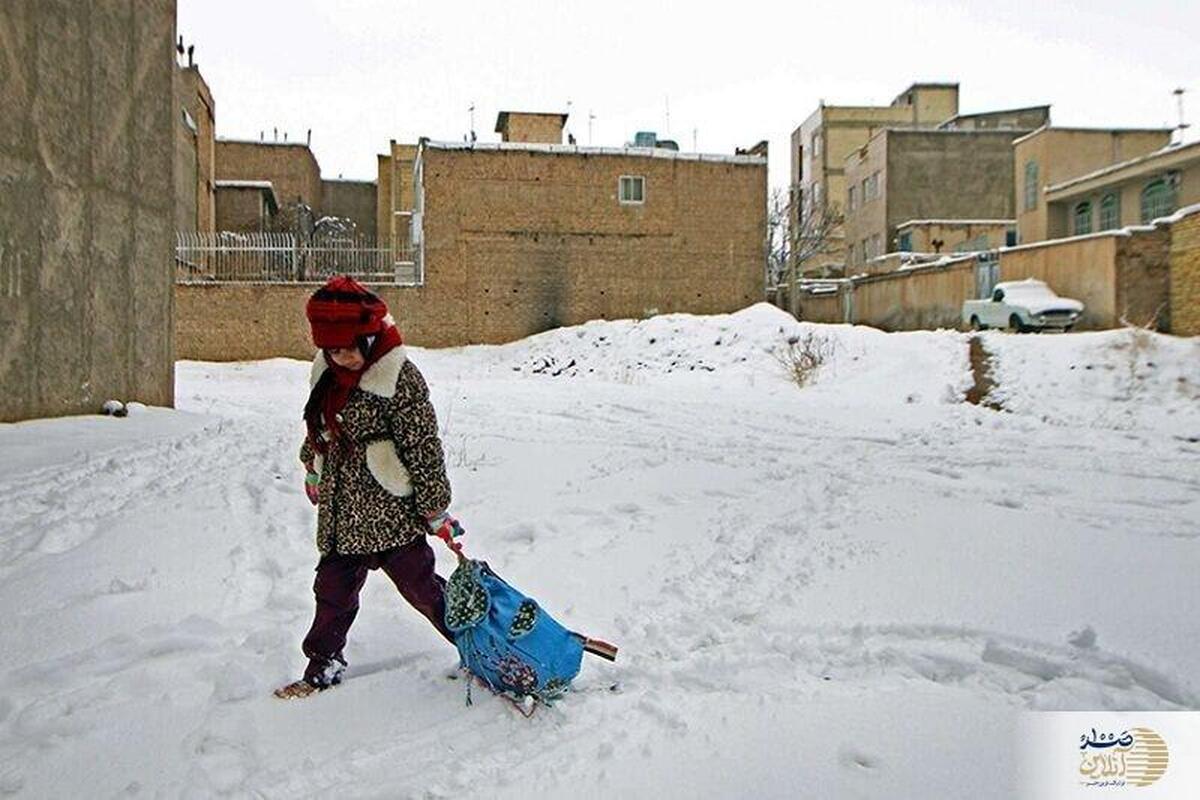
{"x": 1158, "y": 200}
{"x": 1110, "y": 212}
{"x": 1083, "y": 218}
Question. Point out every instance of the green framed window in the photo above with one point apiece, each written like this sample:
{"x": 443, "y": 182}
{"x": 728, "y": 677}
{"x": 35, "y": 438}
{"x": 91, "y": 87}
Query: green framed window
{"x": 1158, "y": 200}
{"x": 1083, "y": 218}
{"x": 1110, "y": 212}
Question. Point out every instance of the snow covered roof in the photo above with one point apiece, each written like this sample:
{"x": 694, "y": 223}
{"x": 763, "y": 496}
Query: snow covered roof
{"x": 574, "y": 149}
{"x": 1192, "y": 150}
{"x": 261, "y": 142}
{"x": 1059, "y": 128}
{"x": 237, "y": 184}
{"x": 957, "y": 222}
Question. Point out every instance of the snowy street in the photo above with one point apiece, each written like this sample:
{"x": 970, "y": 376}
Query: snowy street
{"x": 814, "y": 590}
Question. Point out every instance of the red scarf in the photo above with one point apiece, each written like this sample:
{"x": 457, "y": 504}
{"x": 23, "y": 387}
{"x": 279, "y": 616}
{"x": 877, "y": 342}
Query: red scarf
{"x": 345, "y": 381}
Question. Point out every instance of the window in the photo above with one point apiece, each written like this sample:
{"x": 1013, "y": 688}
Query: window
{"x": 870, "y": 187}
{"x": 1110, "y": 212}
{"x": 877, "y": 245}
{"x": 850, "y": 199}
{"x": 1031, "y": 185}
{"x": 1158, "y": 200}
{"x": 1083, "y": 218}
{"x": 1010, "y": 238}
{"x": 816, "y": 144}
{"x": 632, "y": 189}
{"x": 906, "y": 242}
{"x": 817, "y": 196}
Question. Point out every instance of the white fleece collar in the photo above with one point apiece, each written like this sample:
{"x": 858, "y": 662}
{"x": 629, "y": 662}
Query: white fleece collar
{"x": 378, "y": 379}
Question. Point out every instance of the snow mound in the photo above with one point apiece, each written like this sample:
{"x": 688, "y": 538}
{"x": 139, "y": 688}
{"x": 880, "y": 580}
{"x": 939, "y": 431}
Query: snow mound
{"x": 744, "y": 347}
{"x": 1119, "y": 380}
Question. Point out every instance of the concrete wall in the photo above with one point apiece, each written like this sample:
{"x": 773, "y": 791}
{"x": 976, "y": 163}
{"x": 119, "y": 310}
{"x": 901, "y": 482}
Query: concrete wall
{"x": 356, "y": 200}
{"x": 1144, "y": 278}
{"x": 918, "y": 299}
{"x": 1184, "y": 294}
{"x": 87, "y": 206}
{"x": 928, "y": 175}
{"x": 1084, "y": 268}
{"x": 955, "y": 236}
{"x": 291, "y": 168}
{"x": 1065, "y": 153}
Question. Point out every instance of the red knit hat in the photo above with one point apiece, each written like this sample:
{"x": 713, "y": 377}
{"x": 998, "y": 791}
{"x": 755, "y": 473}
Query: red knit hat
{"x": 342, "y": 310}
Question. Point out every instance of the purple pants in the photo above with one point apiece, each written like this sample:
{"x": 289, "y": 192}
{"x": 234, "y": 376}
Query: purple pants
{"x": 339, "y": 579}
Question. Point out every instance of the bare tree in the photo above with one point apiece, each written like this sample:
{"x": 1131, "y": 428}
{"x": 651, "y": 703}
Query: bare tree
{"x": 779, "y": 243}
{"x": 816, "y": 224}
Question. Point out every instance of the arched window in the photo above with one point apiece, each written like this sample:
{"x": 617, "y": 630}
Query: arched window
{"x": 1031, "y": 185}
{"x": 1158, "y": 200}
{"x": 1083, "y": 218}
{"x": 1110, "y": 212}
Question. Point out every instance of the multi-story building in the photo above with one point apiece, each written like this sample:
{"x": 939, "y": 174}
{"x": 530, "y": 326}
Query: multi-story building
{"x": 902, "y": 175}
{"x": 1136, "y": 191}
{"x": 516, "y": 237}
{"x": 1050, "y": 156}
{"x": 819, "y": 148}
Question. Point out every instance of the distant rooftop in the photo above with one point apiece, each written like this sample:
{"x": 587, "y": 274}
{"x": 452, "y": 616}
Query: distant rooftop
{"x": 573, "y": 149}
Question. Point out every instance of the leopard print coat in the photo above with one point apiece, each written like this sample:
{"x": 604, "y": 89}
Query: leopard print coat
{"x": 388, "y": 475}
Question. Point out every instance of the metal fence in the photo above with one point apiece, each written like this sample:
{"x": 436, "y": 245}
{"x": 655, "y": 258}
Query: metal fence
{"x": 227, "y": 257}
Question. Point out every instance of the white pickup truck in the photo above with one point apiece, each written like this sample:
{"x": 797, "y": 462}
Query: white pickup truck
{"x": 1027, "y": 305}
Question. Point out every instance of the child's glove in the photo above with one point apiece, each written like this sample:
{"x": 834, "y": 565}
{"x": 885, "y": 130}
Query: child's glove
{"x": 312, "y": 487}
{"x": 448, "y": 524}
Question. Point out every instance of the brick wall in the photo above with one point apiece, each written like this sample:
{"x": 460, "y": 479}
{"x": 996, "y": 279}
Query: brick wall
{"x": 1184, "y": 291}
{"x": 531, "y": 240}
{"x": 354, "y": 200}
{"x": 1143, "y": 290}
{"x": 291, "y": 168}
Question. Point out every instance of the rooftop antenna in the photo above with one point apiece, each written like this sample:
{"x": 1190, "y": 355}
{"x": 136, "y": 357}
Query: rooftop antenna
{"x": 695, "y": 147}
{"x": 1183, "y": 126}
{"x": 591, "y": 117}
{"x": 308, "y": 139}
{"x": 668, "y": 100}
{"x": 276, "y": 133}
{"x": 471, "y": 116}
{"x": 568, "y": 117}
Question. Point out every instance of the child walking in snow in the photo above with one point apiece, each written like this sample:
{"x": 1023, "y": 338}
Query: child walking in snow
{"x": 375, "y": 470}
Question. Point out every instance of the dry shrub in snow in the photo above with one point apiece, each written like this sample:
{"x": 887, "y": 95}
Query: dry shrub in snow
{"x": 802, "y": 355}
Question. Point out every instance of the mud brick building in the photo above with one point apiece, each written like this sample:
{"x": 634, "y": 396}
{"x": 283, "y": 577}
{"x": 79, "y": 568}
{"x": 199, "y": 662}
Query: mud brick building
{"x": 514, "y": 238}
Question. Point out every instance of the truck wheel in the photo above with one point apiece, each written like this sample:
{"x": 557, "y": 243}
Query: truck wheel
{"x": 976, "y": 325}
{"x": 1014, "y": 324}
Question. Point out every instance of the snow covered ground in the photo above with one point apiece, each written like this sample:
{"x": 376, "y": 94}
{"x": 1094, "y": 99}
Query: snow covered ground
{"x": 841, "y": 590}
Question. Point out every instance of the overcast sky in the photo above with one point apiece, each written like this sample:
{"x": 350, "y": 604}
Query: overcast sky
{"x": 362, "y": 72}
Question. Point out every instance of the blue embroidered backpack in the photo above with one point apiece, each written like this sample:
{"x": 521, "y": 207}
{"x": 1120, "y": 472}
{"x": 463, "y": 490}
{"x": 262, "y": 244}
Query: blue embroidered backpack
{"x": 507, "y": 640}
